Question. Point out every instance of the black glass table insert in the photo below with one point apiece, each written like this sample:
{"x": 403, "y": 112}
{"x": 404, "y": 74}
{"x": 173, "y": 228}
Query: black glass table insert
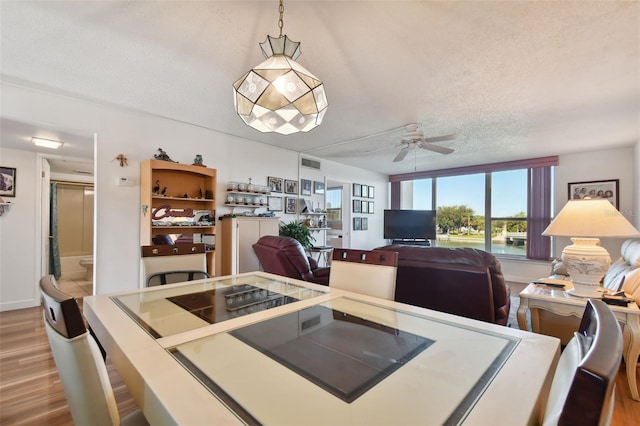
{"x": 343, "y": 354}
{"x": 238, "y": 300}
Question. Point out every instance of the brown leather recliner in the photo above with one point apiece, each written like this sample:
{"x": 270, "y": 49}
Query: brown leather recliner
{"x": 459, "y": 281}
{"x": 285, "y": 256}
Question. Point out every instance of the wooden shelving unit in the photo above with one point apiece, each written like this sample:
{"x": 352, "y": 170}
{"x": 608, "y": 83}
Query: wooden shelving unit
{"x": 172, "y": 198}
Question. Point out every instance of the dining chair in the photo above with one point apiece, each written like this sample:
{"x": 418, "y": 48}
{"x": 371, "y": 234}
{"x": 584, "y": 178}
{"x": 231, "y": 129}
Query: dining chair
{"x": 83, "y": 374}
{"x": 370, "y": 272}
{"x": 163, "y": 264}
{"x": 583, "y": 387}
{"x": 169, "y": 277}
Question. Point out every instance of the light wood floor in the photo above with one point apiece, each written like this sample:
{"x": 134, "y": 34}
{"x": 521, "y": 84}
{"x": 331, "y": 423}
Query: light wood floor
{"x": 30, "y": 389}
{"x": 31, "y": 393}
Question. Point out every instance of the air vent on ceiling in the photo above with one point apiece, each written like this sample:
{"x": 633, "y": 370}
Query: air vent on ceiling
{"x": 313, "y": 164}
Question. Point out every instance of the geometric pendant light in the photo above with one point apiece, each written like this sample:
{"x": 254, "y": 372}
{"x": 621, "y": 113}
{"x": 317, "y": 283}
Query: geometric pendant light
{"x": 280, "y": 95}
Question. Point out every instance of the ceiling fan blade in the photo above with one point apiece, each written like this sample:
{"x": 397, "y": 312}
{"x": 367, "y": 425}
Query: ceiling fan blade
{"x": 436, "y": 148}
{"x": 440, "y": 138}
{"x": 402, "y": 154}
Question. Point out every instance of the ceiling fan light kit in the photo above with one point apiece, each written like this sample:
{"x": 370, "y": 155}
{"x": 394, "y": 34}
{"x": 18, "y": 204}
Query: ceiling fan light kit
{"x": 279, "y": 95}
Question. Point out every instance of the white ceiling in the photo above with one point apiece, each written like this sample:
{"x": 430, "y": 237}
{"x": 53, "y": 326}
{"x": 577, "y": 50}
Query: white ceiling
{"x": 513, "y": 79}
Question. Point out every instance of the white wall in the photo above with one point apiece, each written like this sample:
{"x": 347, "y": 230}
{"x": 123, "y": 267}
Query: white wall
{"x": 17, "y": 234}
{"x": 137, "y": 136}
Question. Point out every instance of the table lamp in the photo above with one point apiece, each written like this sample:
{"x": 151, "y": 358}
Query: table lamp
{"x": 585, "y": 260}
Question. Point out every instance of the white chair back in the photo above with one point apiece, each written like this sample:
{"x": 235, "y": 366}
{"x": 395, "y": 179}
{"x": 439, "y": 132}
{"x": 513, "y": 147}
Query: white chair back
{"x": 370, "y": 272}
{"x": 169, "y": 258}
{"x": 80, "y": 365}
{"x": 82, "y": 371}
{"x": 583, "y": 387}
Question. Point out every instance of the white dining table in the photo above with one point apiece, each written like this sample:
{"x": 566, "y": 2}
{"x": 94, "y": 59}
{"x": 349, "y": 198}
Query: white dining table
{"x": 257, "y": 348}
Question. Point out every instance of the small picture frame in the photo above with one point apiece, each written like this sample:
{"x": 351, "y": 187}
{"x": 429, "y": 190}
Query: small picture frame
{"x": 364, "y": 191}
{"x": 372, "y": 192}
{"x": 275, "y": 184}
{"x": 607, "y": 189}
{"x": 364, "y": 207}
{"x": 357, "y": 223}
{"x": 371, "y": 211}
{"x": 7, "y": 181}
{"x": 275, "y": 204}
{"x": 365, "y": 224}
{"x": 357, "y": 190}
{"x": 305, "y": 187}
{"x": 318, "y": 187}
{"x": 356, "y": 206}
{"x": 291, "y": 186}
{"x": 290, "y": 204}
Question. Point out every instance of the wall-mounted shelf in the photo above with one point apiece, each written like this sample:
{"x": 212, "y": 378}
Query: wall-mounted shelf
{"x": 191, "y": 200}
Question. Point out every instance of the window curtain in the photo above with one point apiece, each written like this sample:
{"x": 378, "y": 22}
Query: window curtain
{"x": 538, "y": 213}
{"x": 54, "y": 251}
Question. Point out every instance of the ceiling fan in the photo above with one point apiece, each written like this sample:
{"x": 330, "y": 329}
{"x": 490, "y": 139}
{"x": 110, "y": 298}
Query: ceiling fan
{"x": 414, "y": 138}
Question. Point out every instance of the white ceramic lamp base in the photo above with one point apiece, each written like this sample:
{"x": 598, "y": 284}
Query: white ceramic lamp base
{"x": 586, "y": 264}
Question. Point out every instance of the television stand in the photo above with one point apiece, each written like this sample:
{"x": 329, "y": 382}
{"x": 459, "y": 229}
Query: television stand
{"x": 413, "y": 242}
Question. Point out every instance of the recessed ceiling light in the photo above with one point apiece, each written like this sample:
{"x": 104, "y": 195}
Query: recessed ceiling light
{"x": 47, "y": 143}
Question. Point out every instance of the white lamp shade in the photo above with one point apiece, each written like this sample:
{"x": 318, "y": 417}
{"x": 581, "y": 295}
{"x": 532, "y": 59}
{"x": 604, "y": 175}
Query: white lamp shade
{"x": 590, "y": 218}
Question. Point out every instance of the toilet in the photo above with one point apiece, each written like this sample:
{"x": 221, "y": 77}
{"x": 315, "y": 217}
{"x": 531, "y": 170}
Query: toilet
{"x": 87, "y": 263}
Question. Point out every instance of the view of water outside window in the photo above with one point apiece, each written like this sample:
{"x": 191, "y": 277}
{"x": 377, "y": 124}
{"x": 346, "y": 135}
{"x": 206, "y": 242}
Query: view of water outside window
{"x": 460, "y": 205}
{"x": 334, "y": 205}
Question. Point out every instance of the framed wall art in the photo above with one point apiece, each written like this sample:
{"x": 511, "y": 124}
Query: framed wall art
{"x": 370, "y": 207}
{"x": 357, "y": 223}
{"x": 364, "y": 207}
{"x": 290, "y": 204}
{"x": 372, "y": 192}
{"x": 7, "y": 181}
{"x": 318, "y": 187}
{"x": 607, "y": 189}
{"x": 356, "y": 206}
{"x": 357, "y": 190}
{"x": 275, "y": 204}
{"x": 275, "y": 184}
{"x": 365, "y": 224}
{"x": 305, "y": 187}
{"x": 290, "y": 186}
{"x": 364, "y": 192}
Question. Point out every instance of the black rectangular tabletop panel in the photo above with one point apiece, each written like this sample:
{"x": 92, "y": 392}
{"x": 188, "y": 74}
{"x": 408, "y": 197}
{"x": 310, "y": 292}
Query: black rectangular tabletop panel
{"x": 343, "y": 354}
{"x": 238, "y": 300}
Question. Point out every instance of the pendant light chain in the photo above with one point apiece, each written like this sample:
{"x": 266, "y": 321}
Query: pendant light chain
{"x": 281, "y": 21}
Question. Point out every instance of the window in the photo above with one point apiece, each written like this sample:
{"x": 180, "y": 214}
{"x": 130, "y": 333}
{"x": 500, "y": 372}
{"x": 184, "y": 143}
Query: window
{"x": 334, "y": 205}
{"x": 501, "y": 208}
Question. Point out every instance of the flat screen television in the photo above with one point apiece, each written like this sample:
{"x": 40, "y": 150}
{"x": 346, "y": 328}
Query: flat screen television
{"x": 410, "y": 224}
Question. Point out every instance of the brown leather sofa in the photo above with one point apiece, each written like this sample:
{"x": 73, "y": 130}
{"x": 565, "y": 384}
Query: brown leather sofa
{"x": 285, "y": 256}
{"x": 459, "y": 281}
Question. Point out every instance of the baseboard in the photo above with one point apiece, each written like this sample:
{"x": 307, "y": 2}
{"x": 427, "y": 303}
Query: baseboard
{"x": 21, "y": 304}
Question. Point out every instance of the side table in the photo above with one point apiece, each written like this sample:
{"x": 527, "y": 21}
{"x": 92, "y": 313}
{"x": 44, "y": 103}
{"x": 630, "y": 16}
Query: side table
{"x": 556, "y": 300}
{"x": 324, "y": 254}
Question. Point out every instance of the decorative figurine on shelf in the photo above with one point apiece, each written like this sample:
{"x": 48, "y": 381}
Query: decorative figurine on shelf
{"x": 198, "y": 160}
{"x": 156, "y": 188}
{"x": 162, "y": 155}
{"x": 200, "y": 192}
{"x": 164, "y": 191}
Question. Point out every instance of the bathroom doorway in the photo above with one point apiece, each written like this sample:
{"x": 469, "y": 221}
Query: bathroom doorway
{"x": 72, "y": 230}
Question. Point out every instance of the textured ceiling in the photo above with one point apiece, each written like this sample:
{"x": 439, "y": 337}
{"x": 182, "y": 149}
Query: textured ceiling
{"x": 512, "y": 79}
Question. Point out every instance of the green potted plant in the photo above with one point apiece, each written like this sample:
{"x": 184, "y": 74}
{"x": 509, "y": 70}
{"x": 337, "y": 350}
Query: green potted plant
{"x": 298, "y": 231}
